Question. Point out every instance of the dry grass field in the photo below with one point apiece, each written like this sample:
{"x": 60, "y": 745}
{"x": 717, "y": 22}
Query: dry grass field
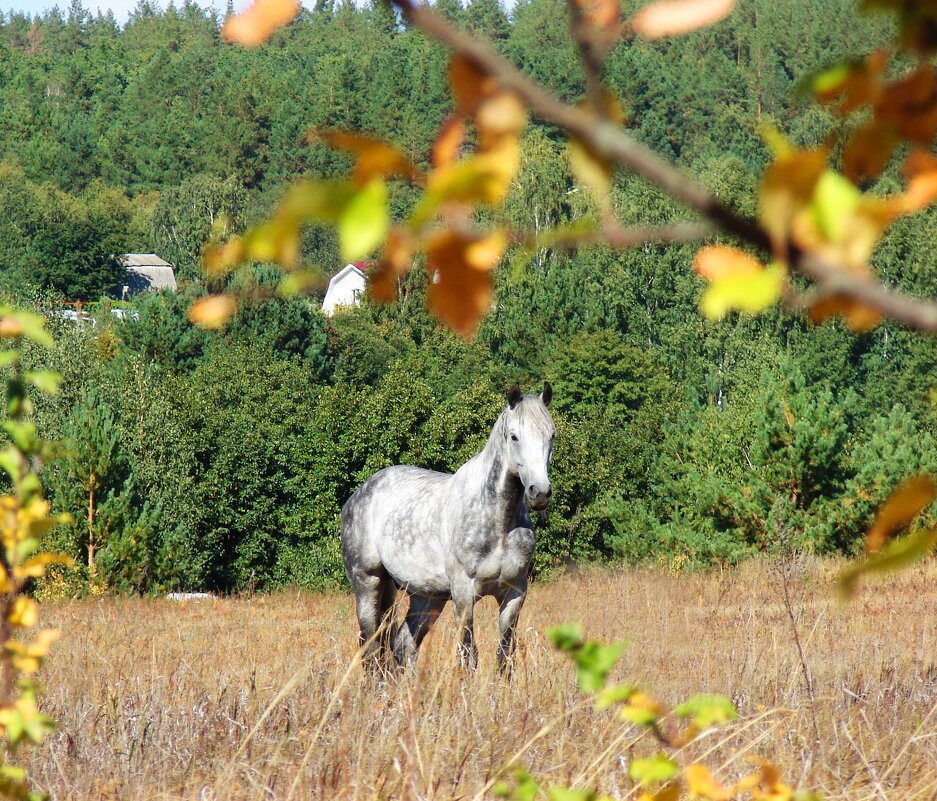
{"x": 254, "y": 697}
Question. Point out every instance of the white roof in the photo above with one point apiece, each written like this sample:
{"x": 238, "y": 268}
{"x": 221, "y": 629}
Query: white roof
{"x": 143, "y": 260}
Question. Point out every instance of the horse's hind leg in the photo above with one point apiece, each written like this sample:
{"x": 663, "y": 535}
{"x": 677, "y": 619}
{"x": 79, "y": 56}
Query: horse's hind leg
{"x": 387, "y": 629}
{"x": 420, "y": 617}
{"x": 369, "y": 592}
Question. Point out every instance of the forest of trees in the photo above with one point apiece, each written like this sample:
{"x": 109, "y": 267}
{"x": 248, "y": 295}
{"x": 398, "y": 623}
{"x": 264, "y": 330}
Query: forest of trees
{"x": 221, "y": 460}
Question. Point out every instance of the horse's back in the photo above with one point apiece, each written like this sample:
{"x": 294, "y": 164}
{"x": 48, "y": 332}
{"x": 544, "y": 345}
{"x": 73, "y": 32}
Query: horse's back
{"x": 393, "y": 521}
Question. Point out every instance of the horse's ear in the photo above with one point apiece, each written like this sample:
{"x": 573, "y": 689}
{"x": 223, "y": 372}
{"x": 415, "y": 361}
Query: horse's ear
{"x": 547, "y": 395}
{"x": 515, "y": 395}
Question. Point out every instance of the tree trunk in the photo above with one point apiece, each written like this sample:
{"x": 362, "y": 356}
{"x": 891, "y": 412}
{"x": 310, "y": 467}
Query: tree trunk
{"x": 92, "y": 481}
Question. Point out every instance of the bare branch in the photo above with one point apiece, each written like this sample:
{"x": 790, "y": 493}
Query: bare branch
{"x": 611, "y": 141}
{"x": 589, "y": 56}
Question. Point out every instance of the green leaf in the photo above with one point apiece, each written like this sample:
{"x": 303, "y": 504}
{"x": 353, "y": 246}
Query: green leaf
{"x": 707, "y": 710}
{"x": 14, "y": 724}
{"x": 526, "y": 789}
{"x": 23, "y": 434}
{"x": 568, "y": 794}
{"x": 898, "y": 553}
{"x": 565, "y": 637}
{"x": 34, "y": 327}
{"x": 8, "y": 357}
{"x": 323, "y": 201}
{"x": 30, "y": 487}
{"x": 11, "y": 462}
{"x": 595, "y": 662}
{"x": 832, "y": 79}
{"x": 298, "y": 282}
{"x": 46, "y": 381}
{"x": 653, "y": 770}
{"x": 614, "y": 695}
{"x": 834, "y": 201}
{"x": 364, "y": 221}
{"x": 16, "y": 397}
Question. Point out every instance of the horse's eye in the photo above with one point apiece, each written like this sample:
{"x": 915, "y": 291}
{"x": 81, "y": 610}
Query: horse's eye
{"x": 513, "y": 437}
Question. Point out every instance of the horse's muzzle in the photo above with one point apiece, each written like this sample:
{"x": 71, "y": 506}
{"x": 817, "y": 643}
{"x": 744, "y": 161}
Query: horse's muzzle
{"x": 538, "y": 499}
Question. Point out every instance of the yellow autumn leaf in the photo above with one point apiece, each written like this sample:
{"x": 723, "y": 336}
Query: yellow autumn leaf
{"x": 374, "y": 157}
{"x": 500, "y": 114}
{"x": 670, "y": 792}
{"x": 738, "y": 281}
{"x": 35, "y": 566}
{"x": 27, "y": 658}
{"x": 24, "y": 613}
{"x": 588, "y": 167}
{"x": 702, "y": 784}
{"x": 902, "y": 506}
{"x": 448, "y": 141}
{"x": 897, "y": 554}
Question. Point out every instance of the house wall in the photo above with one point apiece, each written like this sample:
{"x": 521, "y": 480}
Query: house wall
{"x": 343, "y": 291}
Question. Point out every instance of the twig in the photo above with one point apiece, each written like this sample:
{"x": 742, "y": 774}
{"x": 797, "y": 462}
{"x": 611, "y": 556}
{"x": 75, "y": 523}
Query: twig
{"x": 611, "y": 142}
{"x": 581, "y": 31}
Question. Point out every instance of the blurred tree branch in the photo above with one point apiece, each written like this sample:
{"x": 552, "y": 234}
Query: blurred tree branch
{"x": 610, "y": 141}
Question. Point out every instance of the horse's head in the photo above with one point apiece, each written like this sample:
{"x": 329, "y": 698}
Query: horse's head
{"x": 528, "y": 440}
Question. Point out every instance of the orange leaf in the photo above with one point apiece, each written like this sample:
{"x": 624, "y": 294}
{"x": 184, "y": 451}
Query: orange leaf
{"x": 219, "y": 257}
{"x": 501, "y": 114}
{"x": 449, "y": 142}
{"x": 259, "y": 22}
{"x": 395, "y": 261}
{"x": 213, "y": 311}
{"x": 382, "y": 283}
{"x": 375, "y": 157}
{"x": 701, "y": 782}
{"x": 787, "y": 187}
{"x": 470, "y": 84}
{"x": 853, "y": 85}
{"x": 672, "y": 17}
{"x": 719, "y": 262}
{"x": 600, "y": 14}
{"x": 911, "y": 105}
{"x": 904, "y": 504}
{"x": 11, "y": 327}
{"x": 920, "y": 169}
{"x": 858, "y": 317}
{"x": 869, "y": 150}
{"x": 460, "y": 267}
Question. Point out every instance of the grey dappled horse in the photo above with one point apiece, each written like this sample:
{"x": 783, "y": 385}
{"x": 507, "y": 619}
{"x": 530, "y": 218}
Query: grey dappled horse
{"x": 460, "y": 536}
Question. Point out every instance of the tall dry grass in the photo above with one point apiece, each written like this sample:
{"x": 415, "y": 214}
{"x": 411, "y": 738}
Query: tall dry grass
{"x": 254, "y": 698}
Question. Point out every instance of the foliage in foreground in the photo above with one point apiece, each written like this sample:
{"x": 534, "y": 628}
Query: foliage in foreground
{"x": 24, "y": 518}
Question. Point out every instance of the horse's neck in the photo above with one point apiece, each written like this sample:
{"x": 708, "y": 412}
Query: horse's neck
{"x": 502, "y": 491}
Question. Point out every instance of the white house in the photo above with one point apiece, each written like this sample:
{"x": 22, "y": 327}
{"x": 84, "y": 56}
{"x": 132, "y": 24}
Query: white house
{"x": 345, "y": 288}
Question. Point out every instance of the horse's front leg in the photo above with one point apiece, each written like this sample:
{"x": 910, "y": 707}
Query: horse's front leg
{"x": 463, "y": 598}
{"x": 511, "y": 603}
